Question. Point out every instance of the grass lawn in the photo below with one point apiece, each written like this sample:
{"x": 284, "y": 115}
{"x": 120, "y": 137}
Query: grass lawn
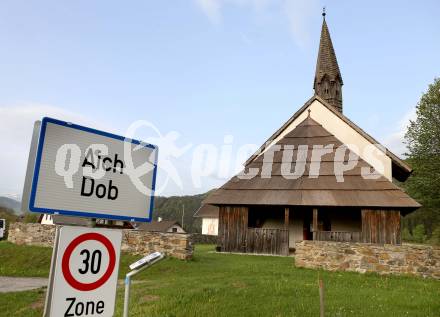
{"x": 235, "y": 285}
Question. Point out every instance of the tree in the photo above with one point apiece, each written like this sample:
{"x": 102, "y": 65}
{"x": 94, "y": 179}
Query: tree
{"x": 423, "y": 143}
{"x": 435, "y": 237}
{"x": 406, "y": 235}
{"x": 419, "y": 235}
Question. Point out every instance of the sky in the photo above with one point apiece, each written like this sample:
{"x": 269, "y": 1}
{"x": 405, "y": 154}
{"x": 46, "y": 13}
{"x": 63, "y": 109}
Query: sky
{"x": 198, "y": 74}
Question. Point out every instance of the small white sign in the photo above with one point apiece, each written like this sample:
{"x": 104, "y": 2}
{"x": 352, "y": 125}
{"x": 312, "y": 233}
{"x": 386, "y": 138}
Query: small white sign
{"x": 79, "y": 171}
{"x": 86, "y": 272}
{"x": 145, "y": 260}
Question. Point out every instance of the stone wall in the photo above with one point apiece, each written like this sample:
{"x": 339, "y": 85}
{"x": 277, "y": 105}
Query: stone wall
{"x": 198, "y": 238}
{"x": 31, "y": 234}
{"x": 418, "y": 260}
{"x": 133, "y": 241}
{"x": 177, "y": 245}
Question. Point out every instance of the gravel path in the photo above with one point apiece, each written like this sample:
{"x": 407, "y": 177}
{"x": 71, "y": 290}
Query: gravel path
{"x": 17, "y": 284}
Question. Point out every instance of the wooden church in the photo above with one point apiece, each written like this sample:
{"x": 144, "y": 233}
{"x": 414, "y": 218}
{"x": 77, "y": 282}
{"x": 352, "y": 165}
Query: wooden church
{"x": 343, "y": 191}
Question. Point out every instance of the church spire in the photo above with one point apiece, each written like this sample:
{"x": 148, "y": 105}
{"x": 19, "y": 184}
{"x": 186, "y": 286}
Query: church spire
{"x": 328, "y": 80}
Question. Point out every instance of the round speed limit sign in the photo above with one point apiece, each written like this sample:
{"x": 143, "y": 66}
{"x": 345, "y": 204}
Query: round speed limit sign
{"x": 86, "y": 271}
{"x": 97, "y": 258}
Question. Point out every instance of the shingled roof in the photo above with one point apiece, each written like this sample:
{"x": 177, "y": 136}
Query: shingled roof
{"x": 311, "y": 189}
{"x": 206, "y": 211}
{"x": 158, "y": 226}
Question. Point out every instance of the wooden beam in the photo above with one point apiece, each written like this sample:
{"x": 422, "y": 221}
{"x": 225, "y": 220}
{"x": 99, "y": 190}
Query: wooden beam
{"x": 315, "y": 221}
{"x": 321, "y": 298}
{"x": 286, "y": 218}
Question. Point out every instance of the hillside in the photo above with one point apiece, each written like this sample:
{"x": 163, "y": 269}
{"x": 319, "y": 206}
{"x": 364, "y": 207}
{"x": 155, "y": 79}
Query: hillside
{"x": 8, "y": 214}
{"x": 10, "y": 203}
{"x": 170, "y": 208}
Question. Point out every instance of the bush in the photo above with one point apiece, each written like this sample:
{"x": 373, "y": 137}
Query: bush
{"x": 419, "y": 235}
{"x": 406, "y": 235}
{"x": 30, "y": 218}
{"x": 435, "y": 237}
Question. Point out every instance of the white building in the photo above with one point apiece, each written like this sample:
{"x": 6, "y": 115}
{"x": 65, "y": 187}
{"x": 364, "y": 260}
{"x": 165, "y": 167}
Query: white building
{"x": 2, "y": 228}
{"x": 209, "y": 215}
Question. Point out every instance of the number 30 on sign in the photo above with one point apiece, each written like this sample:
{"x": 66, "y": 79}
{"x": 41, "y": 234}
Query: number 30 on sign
{"x": 86, "y": 272}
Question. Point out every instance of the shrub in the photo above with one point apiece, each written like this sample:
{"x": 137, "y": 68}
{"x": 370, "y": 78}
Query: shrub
{"x": 419, "y": 235}
{"x": 406, "y": 235}
{"x": 435, "y": 237}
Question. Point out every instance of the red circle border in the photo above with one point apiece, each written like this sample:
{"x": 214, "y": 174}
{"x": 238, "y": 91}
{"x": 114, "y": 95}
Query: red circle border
{"x": 68, "y": 253}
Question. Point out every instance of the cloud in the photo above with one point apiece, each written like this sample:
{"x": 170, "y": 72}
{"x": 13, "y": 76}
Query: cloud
{"x": 245, "y": 38}
{"x": 16, "y": 125}
{"x": 395, "y": 141}
{"x": 298, "y": 13}
{"x": 212, "y": 9}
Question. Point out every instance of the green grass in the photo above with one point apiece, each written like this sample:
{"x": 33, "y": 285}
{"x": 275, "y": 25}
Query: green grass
{"x": 235, "y": 285}
{"x": 21, "y": 260}
{"x": 29, "y": 303}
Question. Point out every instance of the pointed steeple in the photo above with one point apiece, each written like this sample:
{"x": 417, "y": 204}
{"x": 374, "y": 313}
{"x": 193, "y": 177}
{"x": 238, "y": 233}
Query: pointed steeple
{"x": 328, "y": 80}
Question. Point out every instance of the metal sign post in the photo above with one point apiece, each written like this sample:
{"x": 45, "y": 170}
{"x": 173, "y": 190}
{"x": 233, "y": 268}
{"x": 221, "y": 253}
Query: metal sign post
{"x": 51, "y": 272}
{"x": 136, "y": 268}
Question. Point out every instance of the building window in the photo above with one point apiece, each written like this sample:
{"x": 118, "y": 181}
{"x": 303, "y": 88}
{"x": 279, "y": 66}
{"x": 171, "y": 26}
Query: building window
{"x": 174, "y": 229}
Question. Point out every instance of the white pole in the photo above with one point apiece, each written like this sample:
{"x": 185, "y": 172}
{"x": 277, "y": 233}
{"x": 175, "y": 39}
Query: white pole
{"x": 128, "y": 282}
{"x": 48, "y": 302}
{"x": 127, "y": 294}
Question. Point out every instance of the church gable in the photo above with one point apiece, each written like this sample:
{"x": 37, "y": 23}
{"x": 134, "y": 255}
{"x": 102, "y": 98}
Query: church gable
{"x": 347, "y": 133}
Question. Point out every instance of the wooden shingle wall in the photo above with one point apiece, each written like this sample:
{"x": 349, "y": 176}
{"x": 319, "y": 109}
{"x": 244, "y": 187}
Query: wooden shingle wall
{"x": 381, "y": 226}
{"x": 232, "y": 228}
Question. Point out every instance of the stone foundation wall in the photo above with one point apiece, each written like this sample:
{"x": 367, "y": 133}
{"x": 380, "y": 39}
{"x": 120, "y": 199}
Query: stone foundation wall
{"x": 418, "y": 260}
{"x": 177, "y": 245}
{"x": 31, "y": 234}
{"x": 198, "y": 238}
{"x": 133, "y": 241}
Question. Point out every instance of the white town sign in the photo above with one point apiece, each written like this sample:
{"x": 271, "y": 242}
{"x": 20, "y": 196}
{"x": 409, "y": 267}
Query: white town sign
{"x": 79, "y": 171}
